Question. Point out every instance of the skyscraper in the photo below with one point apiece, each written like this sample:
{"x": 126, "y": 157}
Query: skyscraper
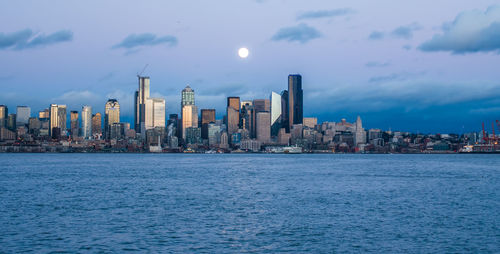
{"x": 233, "y": 115}
{"x": 111, "y": 115}
{"x": 360, "y": 135}
{"x": 23, "y": 115}
{"x": 284, "y": 111}
{"x": 189, "y": 112}
{"x": 155, "y": 113}
{"x": 275, "y": 113}
{"x": 96, "y": 125}
{"x": 259, "y": 105}
{"x": 4, "y": 112}
{"x": 187, "y": 96}
{"x": 207, "y": 117}
{"x": 74, "y": 123}
{"x": 86, "y": 122}
{"x": 263, "y": 131}
{"x": 140, "y": 104}
{"x": 189, "y": 118}
{"x": 295, "y": 104}
{"x": 57, "y": 115}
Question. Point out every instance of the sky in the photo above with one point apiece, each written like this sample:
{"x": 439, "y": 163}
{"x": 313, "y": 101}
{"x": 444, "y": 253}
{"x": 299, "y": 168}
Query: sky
{"x": 420, "y": 66}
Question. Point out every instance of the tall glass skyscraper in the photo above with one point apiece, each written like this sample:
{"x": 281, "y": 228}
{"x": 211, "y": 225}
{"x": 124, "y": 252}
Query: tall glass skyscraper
{"x": 295, "y": 104}
{"x": 187, "y": 96}
{"x": 111, "y": 115}
{"x": 4, "y": 112}
{"x": 207, "y": 117}
{"x": 57, "y": 115}
{"x": 74, "y": 123}
{"x": 275, "y": 113}
{"x": 86, "y": 122}
{"x": 233, "y": 114}
{"x": 141, "y": 96}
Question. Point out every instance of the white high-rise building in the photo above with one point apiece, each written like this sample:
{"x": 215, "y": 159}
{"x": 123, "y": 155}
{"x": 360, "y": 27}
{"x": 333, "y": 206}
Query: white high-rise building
{"x": 86, "y": 122}
{"x": 360, "y": 134}
{"x": 155, "y": 109}
{"x": 275, "y": 113}
{"x": 57, "y": 115}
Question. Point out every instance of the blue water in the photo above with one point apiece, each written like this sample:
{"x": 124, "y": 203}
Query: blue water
{"x": 249, "y": 203}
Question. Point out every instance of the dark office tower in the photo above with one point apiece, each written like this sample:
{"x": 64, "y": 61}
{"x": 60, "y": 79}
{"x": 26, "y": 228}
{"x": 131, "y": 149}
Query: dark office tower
{"x": 4, "y": 112}
{"x": 295, "y": 105}
{"x": 246, "y": 115}
{"x": 173, "y": 125}
{"x": 141, "y": 96}
{"x": 284, "y": 111}
{"x": 74, "y": 122}
{"x": 207, "y": 116}
{"x": 11, "y": 122}
{"x": 259, "y": 105}
{"x": 233, "y": 114}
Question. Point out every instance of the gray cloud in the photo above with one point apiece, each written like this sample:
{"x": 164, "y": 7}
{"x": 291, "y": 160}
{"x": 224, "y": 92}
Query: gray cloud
{"x": 402, "y": 32}
{"x": 376, "y": 35}
{"x": 26, "y": 39}
{"x": 301, "y": 33}
{"x": 405, "y": 32}
{"x": 376, "y": 64}
{"x": 470, "y": 32}
{"x": 146, "y": 39}
{"x": 325, "y": 13}
{"x": 395, "y": 77}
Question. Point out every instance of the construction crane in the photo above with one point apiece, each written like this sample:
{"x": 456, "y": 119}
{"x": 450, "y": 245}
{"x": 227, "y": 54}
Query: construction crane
{"x": 494, "y": 139}
{"x": 143, "y": 69}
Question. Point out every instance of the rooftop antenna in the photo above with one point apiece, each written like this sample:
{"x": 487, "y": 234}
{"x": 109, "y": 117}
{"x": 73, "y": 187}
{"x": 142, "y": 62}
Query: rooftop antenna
{"x": 143, "y": 69}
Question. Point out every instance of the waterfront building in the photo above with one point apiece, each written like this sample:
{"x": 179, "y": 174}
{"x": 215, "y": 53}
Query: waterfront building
{"x": 214, "y": 132}
{"x": 34, "y": 126}
{"x": 207, "y": 117}
{"x": 87, "y": 122}
{"x": 250, "y": 145}
{"x": 111, "y": 116}
{"x": 233, "y": 114}
{"x": 23, "y": 114}
{"x": 275, "y": 113}
{"x": 193, "y": 135}
{"x": 4, "y": 112}
{"x": 118, "y": 130}
{"x": 263, "y": 132}
{"x": 97, "y": 125}
{"x": 57, "y": 116}
{"x": 224, "y": 140}
{"x": 295, "y": 102}
{"x": 74, "y": 123}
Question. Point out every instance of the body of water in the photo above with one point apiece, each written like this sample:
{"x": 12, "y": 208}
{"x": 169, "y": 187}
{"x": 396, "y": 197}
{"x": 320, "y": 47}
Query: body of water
{"x": 319, "y": 203}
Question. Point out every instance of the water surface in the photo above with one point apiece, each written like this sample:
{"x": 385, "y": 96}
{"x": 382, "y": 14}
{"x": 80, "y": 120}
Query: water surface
{"x": 249, "y": 203}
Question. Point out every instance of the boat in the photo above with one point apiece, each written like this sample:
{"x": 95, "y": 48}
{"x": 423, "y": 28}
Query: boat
{"x": 292, "y": 149}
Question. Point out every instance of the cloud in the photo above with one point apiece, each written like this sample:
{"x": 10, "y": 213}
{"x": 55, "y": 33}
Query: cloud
{"x": 134, "y": 41}
{"x": 377, "y": 64}
{"x": 402, "y": 32}
{"x": 301, "y": 33}
{"x": 376, "y": 35}
{"x": 27, "y": 39}
{"x": 395, "y": 77}
{"x": 405, "y": 32}
{"x": 470, "y": 32}
{"x": 324, "y": 13}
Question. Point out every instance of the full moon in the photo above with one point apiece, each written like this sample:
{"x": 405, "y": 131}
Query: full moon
{"x": 243, "y": 52}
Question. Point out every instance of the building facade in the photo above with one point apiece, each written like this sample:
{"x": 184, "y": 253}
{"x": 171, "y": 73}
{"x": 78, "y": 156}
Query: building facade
{"x": 295, "y": 102}
{"x": 87, "y": 122}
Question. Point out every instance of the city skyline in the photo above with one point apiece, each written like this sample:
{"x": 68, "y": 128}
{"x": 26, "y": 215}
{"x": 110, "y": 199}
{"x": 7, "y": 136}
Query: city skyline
{"x": 402, "y": 71}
